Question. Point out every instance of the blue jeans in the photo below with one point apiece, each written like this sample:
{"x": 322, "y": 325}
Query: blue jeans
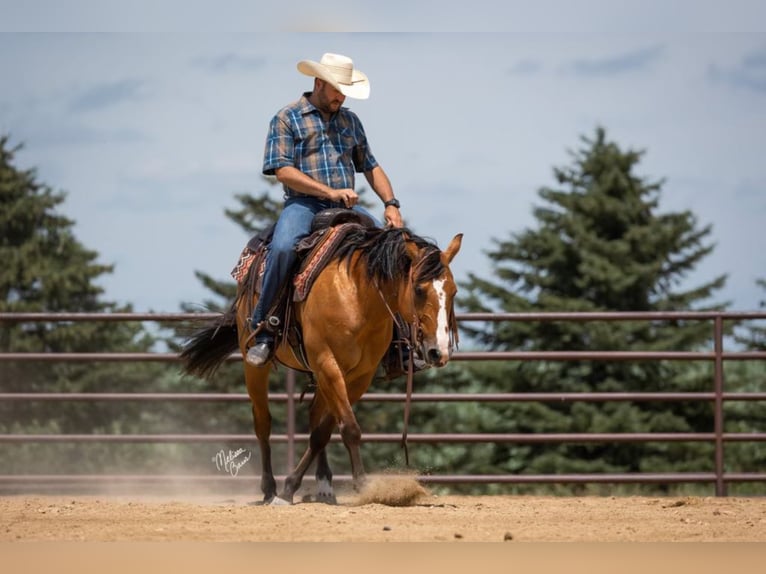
{"x": 293, "y": 225}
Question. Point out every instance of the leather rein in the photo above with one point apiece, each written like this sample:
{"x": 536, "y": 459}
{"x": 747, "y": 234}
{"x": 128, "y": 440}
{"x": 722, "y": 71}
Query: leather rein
{"x": 412, "y": 330}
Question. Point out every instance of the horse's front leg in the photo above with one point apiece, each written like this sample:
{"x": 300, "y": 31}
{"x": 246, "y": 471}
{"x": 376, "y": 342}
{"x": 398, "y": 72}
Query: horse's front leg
{"x": 339, "y": 395}
{"x": 339, "y": 404}
{"x": 351, "y": 433}
{"x": 257, "y": 381}
{"x": 325, "y": 492}
{"x": 318, "y": 439}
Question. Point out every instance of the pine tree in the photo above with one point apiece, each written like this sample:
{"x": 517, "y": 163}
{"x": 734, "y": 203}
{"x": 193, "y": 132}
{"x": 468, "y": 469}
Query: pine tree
{"x": 44, "y": 266}
{"x": 47, "y": 269}
{"x": 747, "y": 416}
{"x": 601, "y": 245}
{"x": 755, "y": 337}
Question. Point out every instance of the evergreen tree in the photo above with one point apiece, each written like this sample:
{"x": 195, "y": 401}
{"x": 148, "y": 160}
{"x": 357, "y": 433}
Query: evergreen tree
{"x": 601, "y": 245}
{"x": 755, "y": 337}
{"x": 747, "y": 416}
{"x": 46, "y": 269}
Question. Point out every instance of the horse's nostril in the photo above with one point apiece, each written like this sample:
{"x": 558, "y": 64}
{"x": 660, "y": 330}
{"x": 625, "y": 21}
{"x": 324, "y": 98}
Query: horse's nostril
{"x": 434, "y": 355}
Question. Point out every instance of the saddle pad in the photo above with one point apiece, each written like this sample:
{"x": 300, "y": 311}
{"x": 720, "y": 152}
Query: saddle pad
{"x": 318, "y": 257}
{"x": 244, "y": 262}
{"x": 314, "y": 252}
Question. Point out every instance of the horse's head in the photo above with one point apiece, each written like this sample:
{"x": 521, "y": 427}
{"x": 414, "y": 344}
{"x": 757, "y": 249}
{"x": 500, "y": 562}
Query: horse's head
{"x": 427, "y": 301}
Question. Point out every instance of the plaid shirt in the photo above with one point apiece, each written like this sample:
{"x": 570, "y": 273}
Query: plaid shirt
{"x": 330, "y": 153}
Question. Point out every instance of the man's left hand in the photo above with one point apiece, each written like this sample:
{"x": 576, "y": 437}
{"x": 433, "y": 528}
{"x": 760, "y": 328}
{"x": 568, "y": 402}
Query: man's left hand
{"x": 393, "y": 217}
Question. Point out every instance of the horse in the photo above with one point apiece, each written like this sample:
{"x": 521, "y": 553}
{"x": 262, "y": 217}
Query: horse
{"x": 347, "y": 320}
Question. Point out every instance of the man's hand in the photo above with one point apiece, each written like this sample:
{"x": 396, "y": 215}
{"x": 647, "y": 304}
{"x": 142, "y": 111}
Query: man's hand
{"x": 347, "y": 196}
{"x": 393, "y": 217}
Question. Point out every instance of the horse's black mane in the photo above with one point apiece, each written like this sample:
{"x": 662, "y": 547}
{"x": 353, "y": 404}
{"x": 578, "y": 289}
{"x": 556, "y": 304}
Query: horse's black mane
{"x": 383, "y": 252}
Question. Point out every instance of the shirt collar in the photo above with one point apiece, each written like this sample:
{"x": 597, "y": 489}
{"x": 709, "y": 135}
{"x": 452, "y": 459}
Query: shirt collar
{"x": 306, "y": 107}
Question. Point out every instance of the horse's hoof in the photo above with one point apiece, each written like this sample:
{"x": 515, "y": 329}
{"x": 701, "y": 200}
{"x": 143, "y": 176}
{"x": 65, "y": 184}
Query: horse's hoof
{"x": 323, "y": 498}
{"x": 276, "y": 501}
{"x": 325, "y": 492}
{"x": 327, "y": 498}
{"x": 265, "y": 502}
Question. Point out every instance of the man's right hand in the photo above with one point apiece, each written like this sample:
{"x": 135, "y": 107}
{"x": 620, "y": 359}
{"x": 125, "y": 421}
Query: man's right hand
{"x": 298, "y": 181}
{"x": 347, "y": 196}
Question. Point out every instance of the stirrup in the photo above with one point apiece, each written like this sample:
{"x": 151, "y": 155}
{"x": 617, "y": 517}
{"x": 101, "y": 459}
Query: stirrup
{"x": 270, "y": 325}
{"x": 260, "y": 354}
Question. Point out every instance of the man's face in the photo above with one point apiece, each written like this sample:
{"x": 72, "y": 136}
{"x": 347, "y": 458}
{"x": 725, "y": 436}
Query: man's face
{"x": 329, "y": 100}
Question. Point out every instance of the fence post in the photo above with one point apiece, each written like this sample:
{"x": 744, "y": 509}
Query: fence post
{"x": 290, "y": 420}
{"x": 720, "y": 486}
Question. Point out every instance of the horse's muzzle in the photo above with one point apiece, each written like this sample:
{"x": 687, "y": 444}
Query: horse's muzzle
{"x": 434, "y": 356}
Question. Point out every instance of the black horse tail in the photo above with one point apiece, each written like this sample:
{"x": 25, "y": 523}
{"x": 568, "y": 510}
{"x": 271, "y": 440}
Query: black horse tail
{"x": 208, "y": 348}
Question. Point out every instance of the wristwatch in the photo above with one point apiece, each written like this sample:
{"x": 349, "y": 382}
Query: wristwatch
{"x": 394, "y": 202}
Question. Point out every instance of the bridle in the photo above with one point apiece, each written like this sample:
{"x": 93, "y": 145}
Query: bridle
{"x": 408, "y": 331}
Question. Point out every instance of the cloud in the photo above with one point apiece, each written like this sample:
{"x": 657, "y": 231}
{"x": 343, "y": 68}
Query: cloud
{"x": 226, "y": 63}
{"x": 109, "y": 94}
{"x": 75, "y": 134}
{"x": 749, "y": 73}
{"x": 525, "y": 68}
{"x": 620, "y": 64}
{"x": 752, "y": 191}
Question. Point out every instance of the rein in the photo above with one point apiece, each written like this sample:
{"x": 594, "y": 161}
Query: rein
{"x": 410, "y": 367}
{"x": 413, "y": 330}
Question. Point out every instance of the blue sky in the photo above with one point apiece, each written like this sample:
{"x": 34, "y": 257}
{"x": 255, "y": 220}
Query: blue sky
{"x": 152, "y": 120}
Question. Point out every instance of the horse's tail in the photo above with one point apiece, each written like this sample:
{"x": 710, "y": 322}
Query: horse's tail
{"x": 209, "y": 347}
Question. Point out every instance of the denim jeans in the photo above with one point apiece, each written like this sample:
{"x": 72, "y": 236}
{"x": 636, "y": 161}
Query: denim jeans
{"x": 293, "y": 225}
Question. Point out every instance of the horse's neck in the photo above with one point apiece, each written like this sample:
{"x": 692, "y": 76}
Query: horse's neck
{"x": 385, "y": 291}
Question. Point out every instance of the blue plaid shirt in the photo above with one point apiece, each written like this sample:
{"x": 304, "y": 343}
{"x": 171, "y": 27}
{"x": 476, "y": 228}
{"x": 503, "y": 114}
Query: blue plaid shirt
{"x": 330, "y": 153}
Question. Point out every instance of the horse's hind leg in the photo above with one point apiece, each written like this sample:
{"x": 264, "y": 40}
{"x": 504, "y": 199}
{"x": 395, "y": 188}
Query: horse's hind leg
{"x": 257, "y": 381}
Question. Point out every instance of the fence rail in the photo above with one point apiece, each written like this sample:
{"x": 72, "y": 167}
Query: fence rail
{"x": 718, "y": 396}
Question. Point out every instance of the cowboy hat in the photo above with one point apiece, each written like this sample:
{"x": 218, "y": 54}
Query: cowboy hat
{"x": 339, "y": 72}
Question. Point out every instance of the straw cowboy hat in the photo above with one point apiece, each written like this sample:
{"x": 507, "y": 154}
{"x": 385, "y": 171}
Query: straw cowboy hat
{"x": 340, "y": 73}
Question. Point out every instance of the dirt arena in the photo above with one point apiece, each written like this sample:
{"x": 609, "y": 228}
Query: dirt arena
{"x": 379, "y": 515}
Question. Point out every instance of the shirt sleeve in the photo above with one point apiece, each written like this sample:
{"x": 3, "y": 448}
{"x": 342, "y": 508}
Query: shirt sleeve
{"x": 280, "y": 146}
{"x": 362, "y": 155}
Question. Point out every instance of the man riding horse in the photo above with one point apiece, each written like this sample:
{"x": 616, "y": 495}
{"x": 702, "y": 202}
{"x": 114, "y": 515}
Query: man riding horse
{"x": 378, "y": 281}
{"x": 314, "y": 147}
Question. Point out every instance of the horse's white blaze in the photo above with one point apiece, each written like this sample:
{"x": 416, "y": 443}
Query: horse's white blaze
{"x": 442, "y": 319}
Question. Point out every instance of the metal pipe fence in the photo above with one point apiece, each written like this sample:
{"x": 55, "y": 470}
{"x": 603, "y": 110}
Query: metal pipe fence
{"x": 718, "y": 396}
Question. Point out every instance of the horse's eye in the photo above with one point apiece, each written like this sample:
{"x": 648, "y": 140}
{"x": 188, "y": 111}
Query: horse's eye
{"x": 419, "y": 291}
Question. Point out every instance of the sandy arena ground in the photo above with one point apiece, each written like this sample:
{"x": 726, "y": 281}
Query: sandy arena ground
{"x": 373, "y": 517}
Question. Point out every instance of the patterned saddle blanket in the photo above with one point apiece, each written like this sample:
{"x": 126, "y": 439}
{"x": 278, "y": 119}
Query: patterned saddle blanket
{"x": 329, "y": 229}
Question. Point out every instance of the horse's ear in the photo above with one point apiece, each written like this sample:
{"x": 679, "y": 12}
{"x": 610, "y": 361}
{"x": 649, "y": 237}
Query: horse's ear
{"x": 454, "y": 246}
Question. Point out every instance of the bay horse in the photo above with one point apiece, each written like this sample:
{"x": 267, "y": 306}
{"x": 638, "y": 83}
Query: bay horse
{"x": 347, "y": 320}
